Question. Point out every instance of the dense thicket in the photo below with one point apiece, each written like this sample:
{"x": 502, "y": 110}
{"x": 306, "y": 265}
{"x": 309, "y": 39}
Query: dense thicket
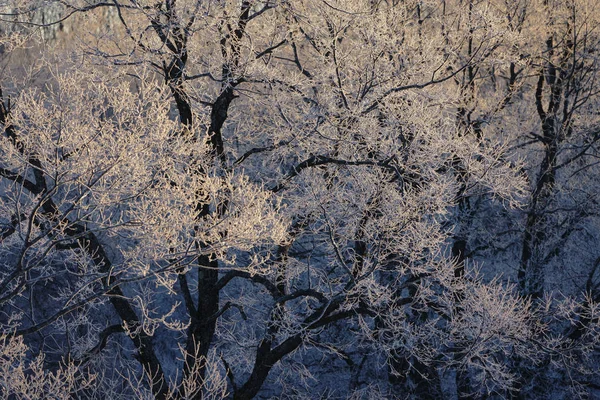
{"x": 299, "y": 199}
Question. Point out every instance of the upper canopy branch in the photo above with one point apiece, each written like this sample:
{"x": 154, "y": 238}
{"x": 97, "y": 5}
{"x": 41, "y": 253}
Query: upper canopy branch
{"x": 315, "y": 161}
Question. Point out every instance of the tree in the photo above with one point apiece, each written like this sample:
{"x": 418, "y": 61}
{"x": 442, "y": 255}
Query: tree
{"x": 214, "y": 194}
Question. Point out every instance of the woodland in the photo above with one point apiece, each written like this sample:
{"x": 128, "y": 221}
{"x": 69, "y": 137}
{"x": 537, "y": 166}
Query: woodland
{"x": 299, "y": 199}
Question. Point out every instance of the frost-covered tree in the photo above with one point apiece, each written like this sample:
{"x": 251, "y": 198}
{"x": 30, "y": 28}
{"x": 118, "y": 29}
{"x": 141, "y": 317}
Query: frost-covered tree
{"x": 255, "y": 198}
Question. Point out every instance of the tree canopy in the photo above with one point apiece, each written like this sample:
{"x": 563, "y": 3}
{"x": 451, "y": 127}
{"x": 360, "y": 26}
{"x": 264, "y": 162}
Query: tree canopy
{"x": 299, "y": 199}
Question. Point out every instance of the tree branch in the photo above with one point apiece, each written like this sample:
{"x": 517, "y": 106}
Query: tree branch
{"x": 261, "y": 280}
{"x": 26, "y": 183}
{"x": 315, "y": 161}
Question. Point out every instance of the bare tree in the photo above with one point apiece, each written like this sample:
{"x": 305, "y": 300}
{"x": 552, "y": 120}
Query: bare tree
{"x": 209, "y": 195}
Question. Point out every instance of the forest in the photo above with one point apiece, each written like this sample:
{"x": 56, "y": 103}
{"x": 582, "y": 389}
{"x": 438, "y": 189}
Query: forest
{"x": 299, "y": 199}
